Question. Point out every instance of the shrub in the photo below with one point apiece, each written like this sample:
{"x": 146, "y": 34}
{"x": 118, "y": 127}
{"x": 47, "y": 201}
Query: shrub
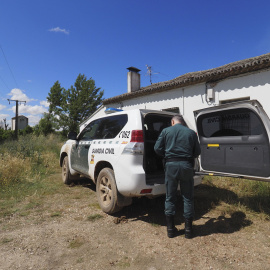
{"x": 28, "y": 157}
{"x": 6, "y": 134}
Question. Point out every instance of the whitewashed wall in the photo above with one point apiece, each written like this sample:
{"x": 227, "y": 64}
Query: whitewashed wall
{"x": 253, "y": 86}
{"x": 22, "y": 122}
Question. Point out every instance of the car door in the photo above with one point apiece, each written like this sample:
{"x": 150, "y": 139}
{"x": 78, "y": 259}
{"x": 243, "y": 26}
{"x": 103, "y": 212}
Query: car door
{"x": 234, "y": 140}
{"x": 79, "y": 152}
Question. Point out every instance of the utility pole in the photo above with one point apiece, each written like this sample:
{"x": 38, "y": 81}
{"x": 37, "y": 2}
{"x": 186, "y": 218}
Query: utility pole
{"x": 16, "y": 115}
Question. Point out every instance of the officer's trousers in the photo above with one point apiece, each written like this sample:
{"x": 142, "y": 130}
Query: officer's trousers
{"x": 179, "y": 172}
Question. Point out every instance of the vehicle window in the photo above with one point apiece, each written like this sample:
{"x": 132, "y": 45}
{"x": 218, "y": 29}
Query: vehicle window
{"x": 110, "y": 126}
{"x": 235, "y": 122}
{"x": 89, "y": 131}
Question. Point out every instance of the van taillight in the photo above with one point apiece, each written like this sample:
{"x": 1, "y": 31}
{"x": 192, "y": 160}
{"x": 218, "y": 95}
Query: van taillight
{"x": 136, "y": 136}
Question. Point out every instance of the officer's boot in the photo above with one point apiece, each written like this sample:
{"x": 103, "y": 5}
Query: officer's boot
{"x": 171, "y": 230}
{"x": 188, "y": 228}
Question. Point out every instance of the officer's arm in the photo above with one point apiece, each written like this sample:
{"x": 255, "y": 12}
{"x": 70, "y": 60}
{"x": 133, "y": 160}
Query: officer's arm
{"x": 160, "y": 145}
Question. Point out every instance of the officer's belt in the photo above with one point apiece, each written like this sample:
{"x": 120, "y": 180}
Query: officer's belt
{"x": 179, "y": 159}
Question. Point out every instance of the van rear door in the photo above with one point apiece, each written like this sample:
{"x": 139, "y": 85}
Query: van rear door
{"x": 234, "y": 140}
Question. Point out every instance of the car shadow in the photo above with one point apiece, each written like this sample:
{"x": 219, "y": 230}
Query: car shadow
{"x": 84, "y": 182}
{"x": 206, "y": 198}
{"x": 223, "y": 224}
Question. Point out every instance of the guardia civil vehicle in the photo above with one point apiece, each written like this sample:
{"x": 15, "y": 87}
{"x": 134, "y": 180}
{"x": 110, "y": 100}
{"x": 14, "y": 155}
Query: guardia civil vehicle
{"x": 116, "y": 152}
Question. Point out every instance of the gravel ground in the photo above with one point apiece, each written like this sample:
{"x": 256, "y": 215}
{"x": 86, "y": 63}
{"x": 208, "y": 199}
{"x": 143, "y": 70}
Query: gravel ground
{"x": 69, "y": 231}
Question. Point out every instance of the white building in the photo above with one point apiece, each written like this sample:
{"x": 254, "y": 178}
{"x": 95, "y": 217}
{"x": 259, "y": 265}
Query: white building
{"x": 242, "y": 80}
{"x": 22, "y": 122}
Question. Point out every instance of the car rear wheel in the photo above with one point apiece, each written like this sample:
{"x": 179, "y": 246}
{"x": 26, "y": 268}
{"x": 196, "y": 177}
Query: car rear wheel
{"x": 107, "y": 191}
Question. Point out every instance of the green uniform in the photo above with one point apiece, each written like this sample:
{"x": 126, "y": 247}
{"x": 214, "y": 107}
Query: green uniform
{"x": 179, "y": 146}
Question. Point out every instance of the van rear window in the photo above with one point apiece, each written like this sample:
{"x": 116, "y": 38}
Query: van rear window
{"x": 233, "y": 122}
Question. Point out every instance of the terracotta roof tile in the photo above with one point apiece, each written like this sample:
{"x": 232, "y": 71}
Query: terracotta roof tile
{"x": 210, "y": 75}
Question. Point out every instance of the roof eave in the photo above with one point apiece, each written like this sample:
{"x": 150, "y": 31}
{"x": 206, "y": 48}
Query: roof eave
{"x": 211, "y": 75}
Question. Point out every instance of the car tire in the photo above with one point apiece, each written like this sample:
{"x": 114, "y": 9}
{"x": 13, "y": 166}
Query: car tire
{"x": 66, "y": 176}
{"x": 107, "y": 191}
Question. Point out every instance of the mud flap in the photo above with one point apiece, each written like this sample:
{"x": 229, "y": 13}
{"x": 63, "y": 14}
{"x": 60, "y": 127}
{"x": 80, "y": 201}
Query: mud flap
{"x": 123, "y": 201}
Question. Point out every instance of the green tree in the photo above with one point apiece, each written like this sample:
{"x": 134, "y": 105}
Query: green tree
{"x": 6, "y": 134}
{"x": 69, "y": 107}
{"x": 45, "y": 124}
{"x": 27, "y": 130}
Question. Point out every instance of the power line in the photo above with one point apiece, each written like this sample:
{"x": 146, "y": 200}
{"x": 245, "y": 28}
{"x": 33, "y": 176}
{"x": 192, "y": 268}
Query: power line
{"x": 9, "y": 67}
{"x": 4, "y": 82}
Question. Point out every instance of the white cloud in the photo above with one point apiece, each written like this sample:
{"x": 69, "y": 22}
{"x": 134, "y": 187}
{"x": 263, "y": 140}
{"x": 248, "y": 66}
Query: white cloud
{"x": 32, "y": 112}
{"x": 2, "y": 116}
{"x": 33, "y": 120}
{"x": 27, "y": 109}
{"x": 45, "y": 103}
{"x": 17, "y": 94}
{"x": 58, "y": 29}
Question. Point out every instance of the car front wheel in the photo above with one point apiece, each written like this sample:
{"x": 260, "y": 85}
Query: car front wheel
{"x": 66, "y": 176}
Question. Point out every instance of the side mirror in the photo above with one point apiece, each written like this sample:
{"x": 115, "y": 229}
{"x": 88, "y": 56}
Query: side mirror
{"x": 72, "y": 135}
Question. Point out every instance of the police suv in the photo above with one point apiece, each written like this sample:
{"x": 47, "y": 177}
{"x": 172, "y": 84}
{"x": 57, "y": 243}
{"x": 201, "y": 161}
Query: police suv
{"x": 116, "y": 152}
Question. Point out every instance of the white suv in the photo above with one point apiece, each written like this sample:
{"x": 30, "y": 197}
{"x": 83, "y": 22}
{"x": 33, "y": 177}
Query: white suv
{"x": 117, "y": 152}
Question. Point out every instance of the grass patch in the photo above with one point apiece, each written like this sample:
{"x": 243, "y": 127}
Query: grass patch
{"x": 31, "y": 193}
{"x": 6, "y": 240}
{"x": 32, "y": 205}
{"x": 28, "y": 157}
{"x": 76, "y": 243}
{"x": 24, "y": 213}
{"x": 94, "y": 217}
{"x": 94, "y": 205}
{"x": 232, "y": 194}
{"x": 25, "y": 165}
{"x": 56, "y": 214}
{"x": 80, "y": 260}
{"x": 155, "y": 225}
{"x": 124, "y": 262}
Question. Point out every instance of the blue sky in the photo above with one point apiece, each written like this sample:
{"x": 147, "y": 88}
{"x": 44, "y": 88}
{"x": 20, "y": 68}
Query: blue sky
{"x": 45, "y": 41}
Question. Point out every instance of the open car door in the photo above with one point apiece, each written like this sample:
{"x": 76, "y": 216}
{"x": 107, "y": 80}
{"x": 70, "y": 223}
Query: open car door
{"x": 234, "y": 140}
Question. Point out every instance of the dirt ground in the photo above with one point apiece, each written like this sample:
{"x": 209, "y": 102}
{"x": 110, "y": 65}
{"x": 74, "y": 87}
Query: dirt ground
{"x": 69, "y": 231}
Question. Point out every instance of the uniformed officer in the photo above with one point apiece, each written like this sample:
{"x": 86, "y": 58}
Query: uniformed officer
{"x": 179, "y": 146}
